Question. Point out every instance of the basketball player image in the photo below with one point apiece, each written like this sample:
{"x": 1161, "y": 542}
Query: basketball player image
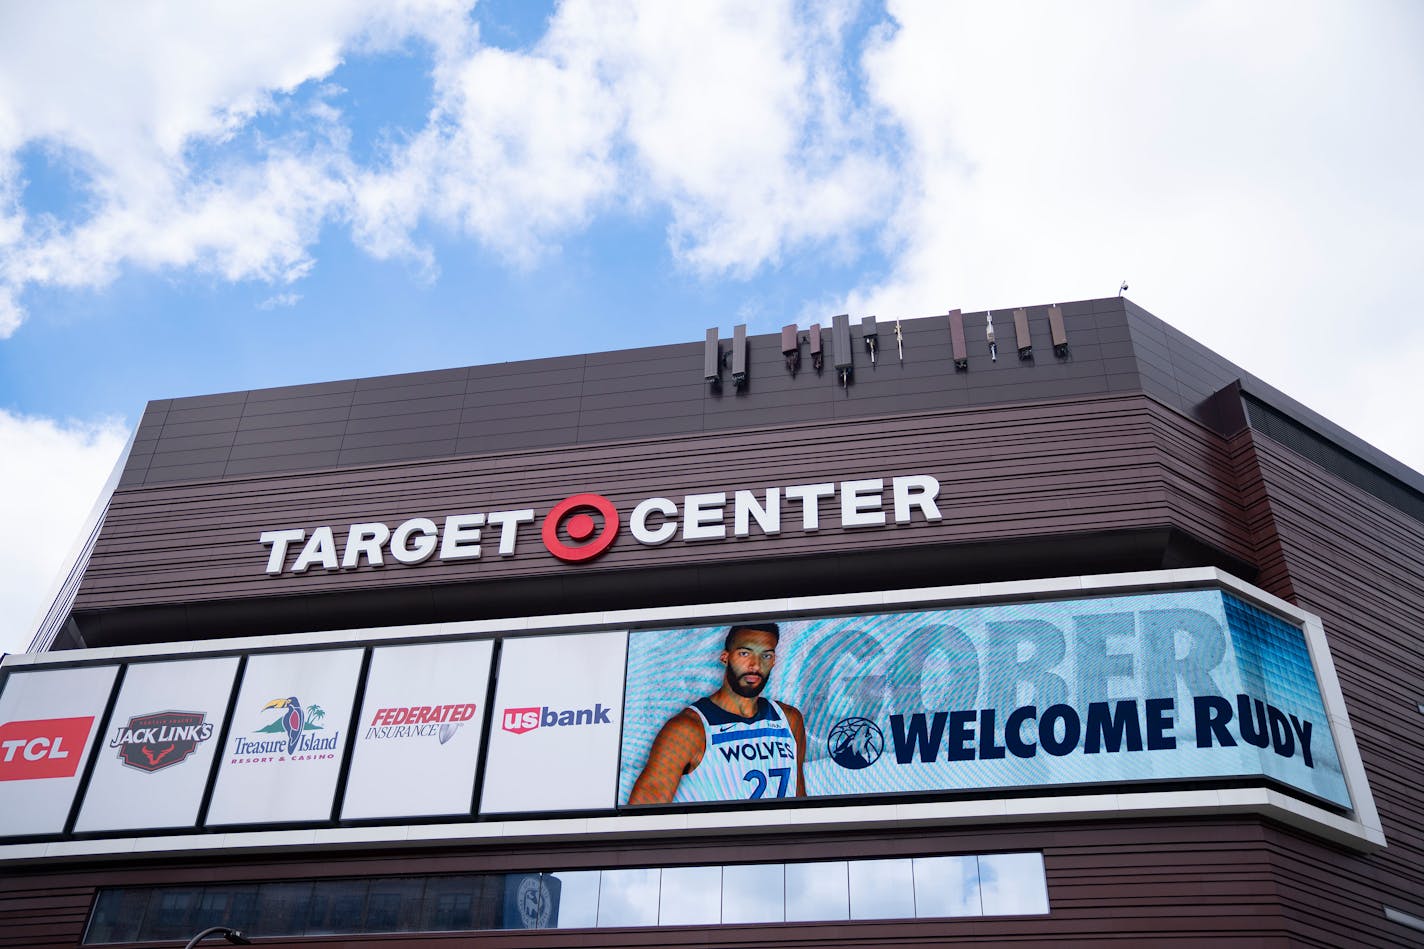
{"x": 734, "y": 744}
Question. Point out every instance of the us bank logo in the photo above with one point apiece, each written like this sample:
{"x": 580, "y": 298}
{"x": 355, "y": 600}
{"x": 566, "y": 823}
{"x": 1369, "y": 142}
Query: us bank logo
{"x": 292, "y": 735}
{"x": 521, "y": 720}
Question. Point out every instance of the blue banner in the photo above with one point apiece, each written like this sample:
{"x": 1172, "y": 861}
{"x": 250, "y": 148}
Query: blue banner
{"x": 1110, "y": 691}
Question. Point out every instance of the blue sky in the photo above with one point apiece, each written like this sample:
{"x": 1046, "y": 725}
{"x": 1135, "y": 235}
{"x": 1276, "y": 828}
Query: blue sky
{"x": 199, "y": 199}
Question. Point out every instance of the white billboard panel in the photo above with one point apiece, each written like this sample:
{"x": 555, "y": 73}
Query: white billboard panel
{"x": 418, "y": 736}
{"x": 47, "y": 722}
{"x": 554, "y": 736}
{"x": 288, "y": 738}
{"x": 162, "y": 736}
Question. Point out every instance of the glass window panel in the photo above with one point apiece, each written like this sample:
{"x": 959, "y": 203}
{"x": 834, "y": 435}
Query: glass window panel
{"x": 577, "y": 906}
{"x": 530, "y": 900}
{"x": 628, "y": 898}
{"x": 754, "y": 893}
{"x": 233, "y": 905}
{"x": 337, "y": 907}
{"x": 947, "y": 886}
{"x": 817, "y": 891}
{"x": 118, "y": 916}
{"x": 393, "y": 905}
{"x": 282, "y": 909}
{"x": 171, "y": 914}
{"x": 1013, "y": 884}
{"x": 882, "y": 889}
{"x": 691, "y": 896}
{"x": 458, "y": 904}
{"x": 830, "y": 891}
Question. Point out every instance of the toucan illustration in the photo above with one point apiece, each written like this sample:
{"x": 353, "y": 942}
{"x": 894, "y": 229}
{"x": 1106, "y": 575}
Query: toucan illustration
{"x": 292, "y": 721}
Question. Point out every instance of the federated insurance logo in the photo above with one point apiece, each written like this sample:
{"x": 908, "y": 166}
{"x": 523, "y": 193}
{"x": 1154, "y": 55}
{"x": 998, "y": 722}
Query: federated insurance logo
{"x": 292, "y": 735}
{"x": 160, "y": 740}
{"x": 404, "y": 722}
{"x": 855, "y": 743}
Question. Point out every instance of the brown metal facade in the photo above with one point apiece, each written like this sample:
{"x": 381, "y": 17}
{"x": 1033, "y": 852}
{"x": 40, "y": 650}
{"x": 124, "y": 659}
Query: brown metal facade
{"x": 1136, "y": 452}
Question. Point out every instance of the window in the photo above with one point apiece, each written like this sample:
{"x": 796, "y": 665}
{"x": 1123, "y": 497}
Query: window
{"x": 935, "y": 887}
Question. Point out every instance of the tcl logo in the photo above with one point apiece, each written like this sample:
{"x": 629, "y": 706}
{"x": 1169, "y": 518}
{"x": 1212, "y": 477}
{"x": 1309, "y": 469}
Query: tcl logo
{"x": 43, "y": 748}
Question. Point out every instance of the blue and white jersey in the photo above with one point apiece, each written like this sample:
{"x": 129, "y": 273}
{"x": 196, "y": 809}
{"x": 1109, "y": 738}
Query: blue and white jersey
{"x": 744, "y": 758}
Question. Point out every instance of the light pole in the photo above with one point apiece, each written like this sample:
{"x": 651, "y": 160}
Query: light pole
{"x": 231, "y": 935}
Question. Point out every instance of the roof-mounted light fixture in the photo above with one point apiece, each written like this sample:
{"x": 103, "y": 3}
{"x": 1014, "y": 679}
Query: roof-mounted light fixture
{"x": 791, "y": 348}
{"x": 840, "y": 346}
{"x": 871, "y": 335}
{"x": 712, "y": 360}
{"x": 739, "y": 356}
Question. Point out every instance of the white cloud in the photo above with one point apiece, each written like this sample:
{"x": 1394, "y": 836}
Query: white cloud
{"x": 50, "y": 476}
{"x": 735, "y": 117}
{"x": 280, "y": 300}
{"x": 1233, "y": 163}
{"x": 126, "y": 91}
{"x": 740, "y": 118}
{"x": 516, "y": 154}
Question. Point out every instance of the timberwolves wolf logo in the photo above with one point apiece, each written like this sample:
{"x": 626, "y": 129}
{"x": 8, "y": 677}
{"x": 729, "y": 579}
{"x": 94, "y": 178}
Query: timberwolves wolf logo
{"x": 855, "y": 743}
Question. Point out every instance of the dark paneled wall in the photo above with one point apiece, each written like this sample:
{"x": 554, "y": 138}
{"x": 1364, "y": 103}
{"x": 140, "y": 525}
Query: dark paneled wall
{"x": 1122, "y": 441}
{"x": 1359, "y": 564}
{"x": 1009, "y": 474}
{"x": 601, "y": 397}
{"x": 1192, "y": 882}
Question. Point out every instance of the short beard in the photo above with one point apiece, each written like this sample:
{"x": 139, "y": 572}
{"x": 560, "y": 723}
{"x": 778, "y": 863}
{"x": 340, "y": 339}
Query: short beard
{"x": 746, "y": 691}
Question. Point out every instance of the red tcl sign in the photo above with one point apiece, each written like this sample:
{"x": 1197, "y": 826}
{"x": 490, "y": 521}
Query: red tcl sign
{"x": 43, "y": 748}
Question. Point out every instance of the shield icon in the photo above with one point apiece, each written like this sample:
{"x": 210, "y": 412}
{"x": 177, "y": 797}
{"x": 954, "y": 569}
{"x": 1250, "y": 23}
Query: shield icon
{"x": 167, "y": 739}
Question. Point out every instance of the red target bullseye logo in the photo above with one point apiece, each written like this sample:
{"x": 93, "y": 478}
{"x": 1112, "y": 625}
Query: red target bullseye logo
{"x": 580, "y": 526}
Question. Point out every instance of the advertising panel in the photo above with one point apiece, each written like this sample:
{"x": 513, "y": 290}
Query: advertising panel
{"x": 554, "y": 738}
{"x": 47, "y": 724}
{"x": 159, "y": 749}
{"x": 1114, "y": 690}
{"x": 288, "y": 738}
{"x": 418, "y": 735}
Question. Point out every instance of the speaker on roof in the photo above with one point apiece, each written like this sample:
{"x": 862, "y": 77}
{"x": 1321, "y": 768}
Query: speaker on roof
{"x": 739, "y": 355}
{"x": 1025, "y": 344}
{"x": 1060, "y": 335}
{"x": 957, "y": 346}
{"x": 840, "y": 348}
{"x": 791, "y": 348}
{"x": 712, "y": 360}
{"x": 870, "y": 335}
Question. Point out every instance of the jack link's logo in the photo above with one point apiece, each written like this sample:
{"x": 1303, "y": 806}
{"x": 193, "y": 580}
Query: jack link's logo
{"x": 521, "y": 720}
{"x": 42, "y": 748}
{"x": 160, "y": 740}
{"x": 293, "y": 725}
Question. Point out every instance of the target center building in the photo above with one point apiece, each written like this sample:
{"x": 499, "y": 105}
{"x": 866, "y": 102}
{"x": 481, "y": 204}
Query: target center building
{"x": 889, "y": 633}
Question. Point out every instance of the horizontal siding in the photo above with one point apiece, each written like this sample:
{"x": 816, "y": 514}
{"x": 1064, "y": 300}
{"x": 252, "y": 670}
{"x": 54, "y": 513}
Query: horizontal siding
{"x": 1359, "y": 564}
{"x": 1085, "y": 466}
{"x": 1183, "y": 883}
{"x": 630, "y": 394}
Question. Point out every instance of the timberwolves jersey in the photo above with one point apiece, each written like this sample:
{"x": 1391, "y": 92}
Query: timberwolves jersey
{"x": 745, "y": 758}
